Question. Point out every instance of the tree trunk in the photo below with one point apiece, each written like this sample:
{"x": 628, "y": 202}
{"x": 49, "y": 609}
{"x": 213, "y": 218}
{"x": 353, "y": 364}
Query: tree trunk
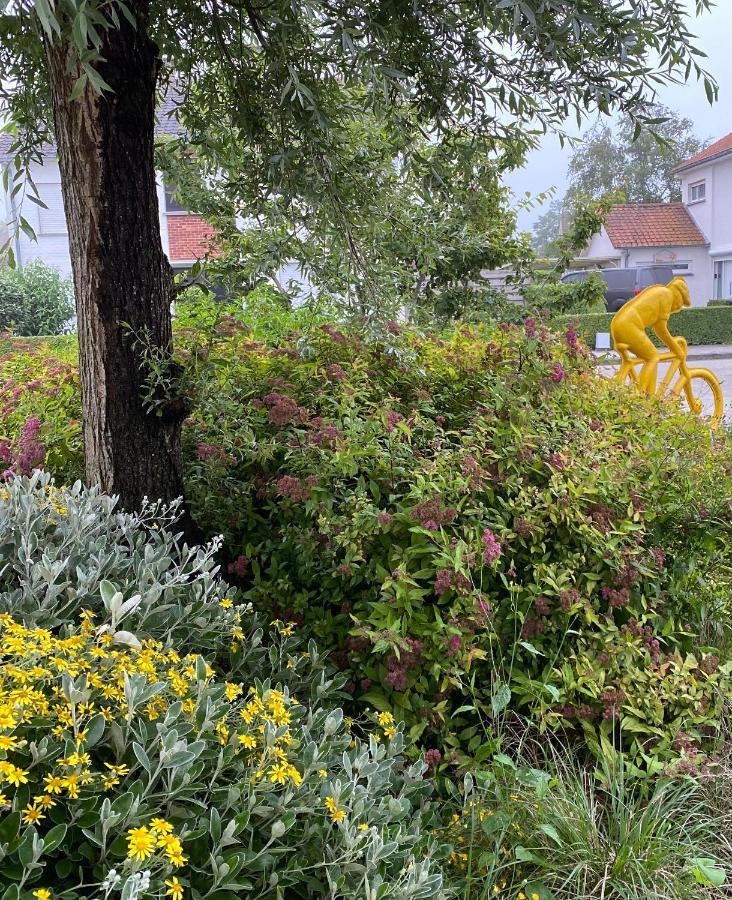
{"x": 122, "y": 279}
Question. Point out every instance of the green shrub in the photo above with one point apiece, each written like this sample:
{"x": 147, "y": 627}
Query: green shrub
{"x": 472, "y": 521}
{"x": 130, "y": 764}
{"x": 699, "y": 325}
{"x": 560, "y": 298}
{"x": 35, "y": 300}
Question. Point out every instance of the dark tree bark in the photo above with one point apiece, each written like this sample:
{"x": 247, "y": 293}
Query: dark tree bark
{"x": 122, "y": 279}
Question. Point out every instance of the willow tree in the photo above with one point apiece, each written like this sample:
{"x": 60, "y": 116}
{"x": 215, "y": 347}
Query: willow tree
{"x": 274, "y": 78}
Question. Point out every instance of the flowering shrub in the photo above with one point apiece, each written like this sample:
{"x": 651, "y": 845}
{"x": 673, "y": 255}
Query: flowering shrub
{"x": 470, "y": 521}
{"x": 40, "y": 408}
{"x": 131, "y": 766}
{"x": 138, "y": 771}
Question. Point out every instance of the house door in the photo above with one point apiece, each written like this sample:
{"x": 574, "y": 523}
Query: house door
{"x": 723, "y": 279}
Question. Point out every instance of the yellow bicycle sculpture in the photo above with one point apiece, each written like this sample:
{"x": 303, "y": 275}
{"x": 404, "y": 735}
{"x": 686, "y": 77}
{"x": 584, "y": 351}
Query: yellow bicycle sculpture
{"x": 652, "y": 308}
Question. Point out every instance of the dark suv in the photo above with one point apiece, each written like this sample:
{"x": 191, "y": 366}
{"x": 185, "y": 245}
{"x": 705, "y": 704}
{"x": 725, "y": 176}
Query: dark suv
{"x": 622, "y": 284}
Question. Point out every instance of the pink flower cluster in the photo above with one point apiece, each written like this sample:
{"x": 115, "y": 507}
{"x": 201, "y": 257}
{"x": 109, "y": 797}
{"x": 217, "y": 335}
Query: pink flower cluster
{"x": 491, "y": 548}
{"x": 28, "y": 453}
{"x": 335, "y": 373}
{"x": 210, "y": 452}
{"x": 398, "y": 668}
{"x": 393, "y": 418}
{"x": 433, "y": 514}
{"x": 297, "y": 489}
{"x": 239, "y": 566}
{"x": 283, "y": 410}
{"x": 558, "y": 373}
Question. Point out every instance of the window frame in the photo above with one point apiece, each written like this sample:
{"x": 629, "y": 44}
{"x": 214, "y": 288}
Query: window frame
{"x": 697, "y": 186}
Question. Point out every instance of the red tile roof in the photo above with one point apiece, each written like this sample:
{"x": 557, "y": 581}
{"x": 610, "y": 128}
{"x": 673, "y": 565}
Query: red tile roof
{"x": 652, "y": 225}
{"x": 718, "y": 148}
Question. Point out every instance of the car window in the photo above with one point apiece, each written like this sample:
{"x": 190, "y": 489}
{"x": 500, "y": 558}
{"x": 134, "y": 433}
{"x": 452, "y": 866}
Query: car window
{"x": 654, "y": 275}
{"x": 622, "y": 280}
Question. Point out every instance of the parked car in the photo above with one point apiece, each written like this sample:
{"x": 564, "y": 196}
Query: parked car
{"x": 622, "y": 284}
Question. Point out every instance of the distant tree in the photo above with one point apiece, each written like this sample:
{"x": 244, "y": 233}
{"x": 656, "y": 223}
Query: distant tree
{"x": 638, "y": 164}
{"x": 547, "y": 229}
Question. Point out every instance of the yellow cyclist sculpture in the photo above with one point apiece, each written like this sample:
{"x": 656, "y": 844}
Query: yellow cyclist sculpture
{"x": 652, "y": 308}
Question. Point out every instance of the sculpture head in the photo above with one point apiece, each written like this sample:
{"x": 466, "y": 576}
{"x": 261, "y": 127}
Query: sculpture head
{"x": 680, "y": 289}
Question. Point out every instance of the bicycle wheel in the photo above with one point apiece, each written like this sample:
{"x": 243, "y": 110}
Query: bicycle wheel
{"x": 707, "y": 392}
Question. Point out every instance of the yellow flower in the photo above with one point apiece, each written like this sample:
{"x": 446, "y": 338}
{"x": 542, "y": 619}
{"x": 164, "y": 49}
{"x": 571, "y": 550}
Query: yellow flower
{"x": 160, "y": 826}
{"x": 14, "y": 775}
{"x": 71, "y": 783}
{"x": 141, "y": 843}
{"x": 521, "y": 895}
{"x": 226, "y": 603}
{"x": 175, "y": 888}
{"x": 173, "y": 849}
{"x": 390, "y": 731}
{"x": 279, "y": 773}
{"x": 336, "y": 814}
{"x": 42, "y": 894}
{"x": 3, "y": 799}
{"x": 385, "y": 718}
{"x": 232, "y": 691}
{"x": 248, "y": 741}
{"x": 54, "y": 784}
{"x": 8, "y": 742}
{"x": 323, "y": 773}
{"x": 32, "y": 815}
{"x": 363, "y": 827}
{"x": 534, "y": 896}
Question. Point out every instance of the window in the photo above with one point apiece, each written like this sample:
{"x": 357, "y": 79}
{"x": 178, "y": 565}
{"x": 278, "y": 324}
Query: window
{"x": 172, "y": 204}
{"x": 723, "y": 279}
{"x": 51, "y": 219}
{"x": 697, "y": 191}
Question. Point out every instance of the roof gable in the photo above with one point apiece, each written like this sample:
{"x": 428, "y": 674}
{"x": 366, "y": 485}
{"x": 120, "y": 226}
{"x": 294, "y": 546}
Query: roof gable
{"x": 722, "y": 147}
{"x": 652, "y": 225}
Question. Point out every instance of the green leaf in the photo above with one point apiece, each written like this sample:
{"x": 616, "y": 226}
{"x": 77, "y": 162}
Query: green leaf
{"x": 500, "y": 698}
{"x": 707, "y": 872}
{"x": 54, "y": 837}
{"x": 142, "y": 757}
{"x": 95, "y": 730}
{"x": 10, "y": 827}
{"x": 551, "y": 832}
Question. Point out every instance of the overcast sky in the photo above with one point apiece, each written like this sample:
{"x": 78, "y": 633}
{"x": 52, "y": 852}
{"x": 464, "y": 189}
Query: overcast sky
{"x": 547, "y": 166}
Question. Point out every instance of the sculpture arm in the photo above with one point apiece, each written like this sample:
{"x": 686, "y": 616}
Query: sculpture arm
{"x": 676, "y": 347}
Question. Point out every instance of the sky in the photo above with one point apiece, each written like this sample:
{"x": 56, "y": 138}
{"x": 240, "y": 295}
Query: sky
{"x": 546, "y": 167}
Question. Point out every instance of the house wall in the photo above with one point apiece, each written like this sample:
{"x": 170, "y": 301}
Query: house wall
{"x": 714, "y": 213}
{"x": 189, "y": 237}
{"x": 52, "y": 241}
{"x": 600, "y": 246}
{"x": 692, "y": 263}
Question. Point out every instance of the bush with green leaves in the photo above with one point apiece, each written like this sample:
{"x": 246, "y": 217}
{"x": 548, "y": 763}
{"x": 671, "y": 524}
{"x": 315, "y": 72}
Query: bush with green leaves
{"x": 130, "y": 766}
{"x": 472, "y": 521}
{"x": 475, "y": 520}
{"x": 35, "y": 300}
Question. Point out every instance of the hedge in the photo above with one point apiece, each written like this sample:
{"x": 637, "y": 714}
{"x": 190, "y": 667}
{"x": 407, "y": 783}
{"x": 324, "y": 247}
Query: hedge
{"x": 699, "y": 325}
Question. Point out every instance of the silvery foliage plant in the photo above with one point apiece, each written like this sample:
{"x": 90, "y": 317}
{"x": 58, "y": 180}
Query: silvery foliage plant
{"x": 59, "y": 546}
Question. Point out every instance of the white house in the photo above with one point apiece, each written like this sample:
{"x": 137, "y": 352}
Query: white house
{"x": 694, "y": 236}
{"x": 185, "y": 237}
